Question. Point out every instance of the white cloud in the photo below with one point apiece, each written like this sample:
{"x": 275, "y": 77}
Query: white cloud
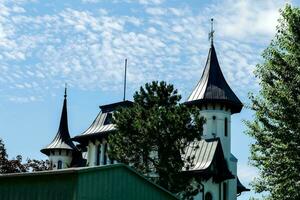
{"x": 155, "y": 11}
{"x": 87, "y": 48}
{"x": 246, "y": 19}
{"x": 143, "y": 2}
{"x": 246, "y": 173}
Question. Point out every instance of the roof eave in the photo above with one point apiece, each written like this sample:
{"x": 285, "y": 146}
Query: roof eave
{"x": 113, "y": 106}
{"x": 48, "y": 150}
{"x": 235, "y": 107}
{"x": 84, "y": 138}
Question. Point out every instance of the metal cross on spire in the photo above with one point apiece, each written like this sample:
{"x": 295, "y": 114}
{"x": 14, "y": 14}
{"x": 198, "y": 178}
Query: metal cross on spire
{"x": 65, "y": 90}
{"x": 212, "y": 31}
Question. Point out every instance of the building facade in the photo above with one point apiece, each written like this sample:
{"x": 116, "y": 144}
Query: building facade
{"x": 213, "y": 162}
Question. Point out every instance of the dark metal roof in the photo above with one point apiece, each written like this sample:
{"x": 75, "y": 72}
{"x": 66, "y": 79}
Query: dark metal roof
{"x": 113, "y": 106}
{"x": 240, "y": 187}
{"x": 62, "y": 139}
{"x": 98, "y": 125}
{"x": 102, "y": 124}
{"x": 208, "y": 160}
{"x": 213, "y": 88}
{"x": 203, "y": 152}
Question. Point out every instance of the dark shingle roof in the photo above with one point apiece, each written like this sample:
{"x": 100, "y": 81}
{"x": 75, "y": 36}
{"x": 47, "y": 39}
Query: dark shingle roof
{"x": 62, "y": 139}
{"x": 212, "y": 87}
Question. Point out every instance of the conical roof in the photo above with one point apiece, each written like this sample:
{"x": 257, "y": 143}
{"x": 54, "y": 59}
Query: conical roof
{"x": 62, "y": 139}
{"x": 213, "y": 88}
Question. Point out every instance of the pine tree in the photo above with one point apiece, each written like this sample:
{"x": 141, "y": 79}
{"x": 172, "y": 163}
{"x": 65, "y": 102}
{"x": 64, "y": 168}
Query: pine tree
{"x": 151, "y": 136}
{"x": 276, "y": 127}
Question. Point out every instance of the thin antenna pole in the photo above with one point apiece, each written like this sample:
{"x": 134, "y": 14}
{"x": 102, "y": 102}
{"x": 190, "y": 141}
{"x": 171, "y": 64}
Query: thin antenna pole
{"x": 125, "y": 76}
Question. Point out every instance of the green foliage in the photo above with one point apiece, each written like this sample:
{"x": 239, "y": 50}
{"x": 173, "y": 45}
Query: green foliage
{"x": 151, "y": 136}
{"x": 16, "y": 166}
{"x": 276, "y": 127}
{"x": 9, "y": 166}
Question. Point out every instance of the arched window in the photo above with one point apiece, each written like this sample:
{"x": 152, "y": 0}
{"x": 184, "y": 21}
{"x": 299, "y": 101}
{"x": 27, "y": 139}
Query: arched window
{"x": 59, "y": 164}
{"x": 214, "y": 126}
{"x": 208, "y": 196}
{"x": 226, "y": 127}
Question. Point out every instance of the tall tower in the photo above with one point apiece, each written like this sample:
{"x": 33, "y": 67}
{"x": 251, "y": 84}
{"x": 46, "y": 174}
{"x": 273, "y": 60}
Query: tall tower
{"x": 60, "y": 151}
{"x": 217, "y": 103}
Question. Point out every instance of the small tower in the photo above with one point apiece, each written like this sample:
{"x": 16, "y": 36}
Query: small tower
{"x": 60, "y": 151}
{"x": 217, "y": 103}
{"x": 216, "y": 100}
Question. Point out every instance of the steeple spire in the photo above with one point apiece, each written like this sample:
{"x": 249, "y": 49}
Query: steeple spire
{"x": 63, "y": 126}
{"x": 212, "y": 87}
{"x": 62, "y": 138}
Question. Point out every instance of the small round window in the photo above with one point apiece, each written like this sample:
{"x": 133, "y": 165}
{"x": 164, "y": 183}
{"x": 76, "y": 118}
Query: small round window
{"x": 208, "y": 196}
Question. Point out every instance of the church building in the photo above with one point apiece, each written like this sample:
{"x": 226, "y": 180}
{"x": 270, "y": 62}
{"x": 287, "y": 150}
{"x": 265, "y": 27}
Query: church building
{"x": 213, "y": 162}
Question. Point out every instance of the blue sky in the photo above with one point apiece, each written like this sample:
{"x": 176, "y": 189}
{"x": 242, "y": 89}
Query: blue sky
{"x": 44, "y": 44}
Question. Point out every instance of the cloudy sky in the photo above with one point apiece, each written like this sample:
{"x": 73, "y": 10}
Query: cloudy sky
{"x": 45, "y": 44}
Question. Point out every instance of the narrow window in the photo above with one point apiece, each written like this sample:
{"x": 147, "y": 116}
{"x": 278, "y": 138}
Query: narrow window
{"x": 105, "y": 154}
{"x": 214, "y": 126}
{"x": 208, "y": 196}
{"x": 98, "y": 154}
{"x": 226, "y": 126}
{"x": 224, "y": 191}
{"x": 59, "y": 164}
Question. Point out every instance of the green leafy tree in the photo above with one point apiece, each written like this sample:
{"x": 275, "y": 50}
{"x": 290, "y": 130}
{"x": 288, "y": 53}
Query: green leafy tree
{"x": 152, "y": 134}
{"x": 15, "y": 165}
{"x": 34, "y": 165}
{"x": 276, "y": 127}
{"x": 9, "y": 166}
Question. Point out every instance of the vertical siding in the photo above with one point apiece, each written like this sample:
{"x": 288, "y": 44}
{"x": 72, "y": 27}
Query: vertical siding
{"x": 114, "y": 182}
{"x": 37, "y": 187}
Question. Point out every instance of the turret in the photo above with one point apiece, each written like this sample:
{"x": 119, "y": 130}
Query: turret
{"x": 61, "y": 150}
{"x": 216, "y": 101}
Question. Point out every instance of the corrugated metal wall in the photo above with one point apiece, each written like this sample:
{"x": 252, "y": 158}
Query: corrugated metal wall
{"x": 115, "y": 182}
{"x": 38, "y": 187}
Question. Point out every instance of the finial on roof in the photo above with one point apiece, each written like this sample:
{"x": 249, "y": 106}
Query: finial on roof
{"x": 65, "y": 90}
{"x": 212, "y": 31}
{"x": 125, "y": 75}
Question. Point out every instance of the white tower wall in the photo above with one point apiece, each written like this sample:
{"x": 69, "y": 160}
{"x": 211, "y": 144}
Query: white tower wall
{"x": 65, "y": 156}
{"x": 216, "y": 116}
{"x": 232, "y": 183}
{"x": 215, "y": 126}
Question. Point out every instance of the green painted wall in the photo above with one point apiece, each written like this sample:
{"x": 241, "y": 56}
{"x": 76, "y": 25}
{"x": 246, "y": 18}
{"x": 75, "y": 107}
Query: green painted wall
{"x": 114, "y": 182}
